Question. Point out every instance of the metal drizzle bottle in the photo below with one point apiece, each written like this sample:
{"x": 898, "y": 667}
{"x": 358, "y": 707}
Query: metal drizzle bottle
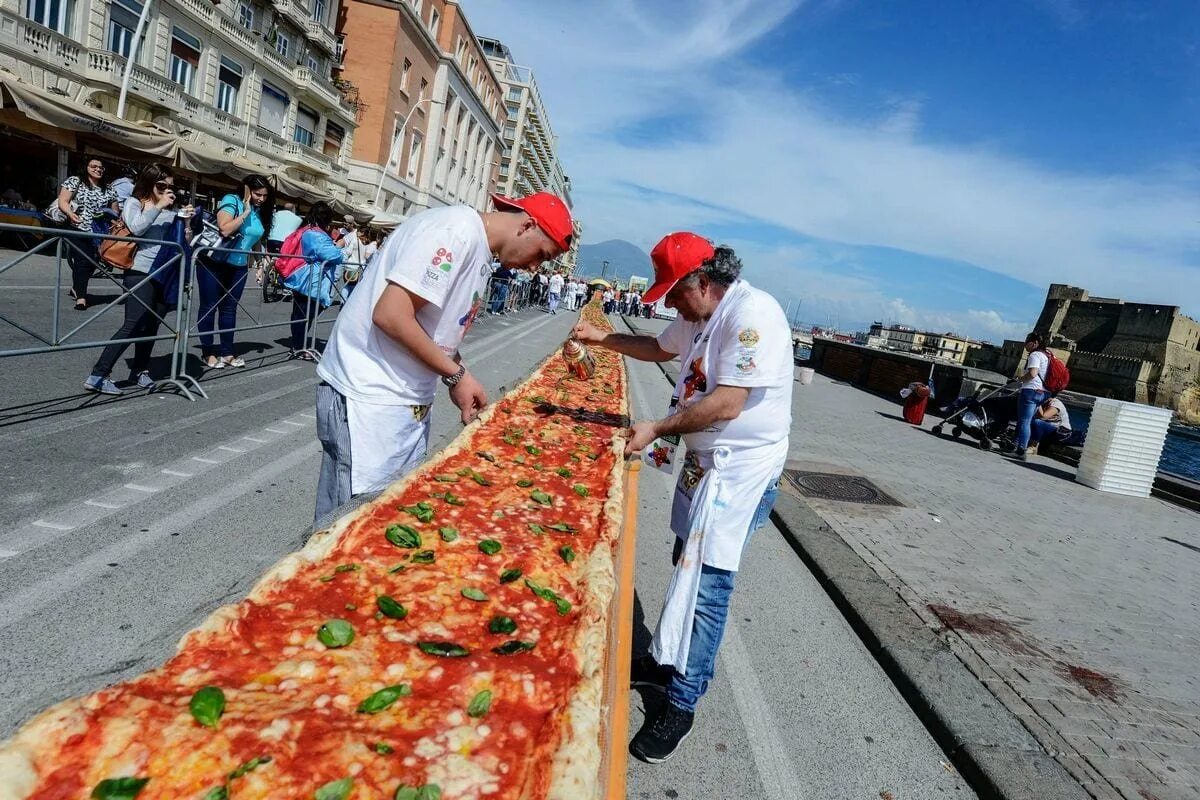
{"x": 579, "y": 360}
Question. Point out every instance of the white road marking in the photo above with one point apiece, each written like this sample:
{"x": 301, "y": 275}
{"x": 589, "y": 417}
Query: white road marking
{"x": 8, "y": 554}
{"x": 54, "y": 526}
{"x": 33, "y": 598}
{"x": 309, "y": 416}
{"x": 137, "y": 487}
{"x": 98, "y": 504}
{"x": 231, "y": 449}
{"x": 291, "y": 422}
{"x": 272, "y": 430}
{"x": 256, "y": 441}
{"x": 177, "y": 473}
{"x": 204, "y": 460}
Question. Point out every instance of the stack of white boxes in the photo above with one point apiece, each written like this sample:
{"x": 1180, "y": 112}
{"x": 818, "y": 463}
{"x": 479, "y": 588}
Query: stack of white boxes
{"x": 1123, "y": 445}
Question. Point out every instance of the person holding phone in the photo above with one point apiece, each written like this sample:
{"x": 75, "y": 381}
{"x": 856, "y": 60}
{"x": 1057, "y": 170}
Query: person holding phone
{"x": 222, "y": 274}
{"x": 149, "y": 213}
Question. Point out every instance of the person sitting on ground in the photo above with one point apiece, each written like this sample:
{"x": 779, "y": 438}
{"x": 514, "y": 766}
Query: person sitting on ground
{"x": 1051, "y": 423}
{"x": 312, "y": 284}
{"x": 149, "y": 214}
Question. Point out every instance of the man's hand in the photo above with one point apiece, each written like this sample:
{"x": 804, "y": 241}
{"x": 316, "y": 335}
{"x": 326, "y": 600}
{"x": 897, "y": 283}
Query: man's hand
{"x": 588, "y": 333}
{"x": 640, "y": 435}
{"x": 469, "y": 396}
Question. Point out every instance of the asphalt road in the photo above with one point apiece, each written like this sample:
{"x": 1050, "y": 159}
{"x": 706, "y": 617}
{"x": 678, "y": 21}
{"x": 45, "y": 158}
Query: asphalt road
{"x": 125, "y": 522}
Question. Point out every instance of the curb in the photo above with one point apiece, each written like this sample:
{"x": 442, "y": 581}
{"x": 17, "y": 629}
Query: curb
{"x": 987, "y": 744}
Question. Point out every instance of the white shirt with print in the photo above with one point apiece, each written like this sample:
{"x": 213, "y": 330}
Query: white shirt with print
{"x": 440, "y": 255}
{"x": 750, "y": 347}
{"x": 556, "y": 284}
{"x": 1037, "y": 359}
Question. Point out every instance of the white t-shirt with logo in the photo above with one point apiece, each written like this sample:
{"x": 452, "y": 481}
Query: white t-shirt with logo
{"x": 1037, "y": 359}
{"x": 749, "y": 345}
{"x": 440, "y": 255}
{"x": 556, "y": 284}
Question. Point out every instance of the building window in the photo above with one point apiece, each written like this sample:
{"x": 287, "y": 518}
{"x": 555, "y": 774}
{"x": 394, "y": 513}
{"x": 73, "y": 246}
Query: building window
{"x": 404, "y": 74}
{"x": 283, "y": 45}
{"x": 319, "y": 10}
{"x": 314, "y": 66}
{"x": 414, "y": 156}
{"x": 229, "y": 85}
{"x": 122, "y": 22}
{"x": 435, "y": 20}
{"x": 185, "y": 58}
{"x": 246, "y": 16}
{"x": 460, "y": 50}
{"x": 272, "y": 109}
{"x": 416, "y": 4}
{"x": 54, "y": 14}
{"x": 514, "y": 95}
{"x": 306, "y": 127}
{"x": 334, "y": 136}
{"x": 424, "y": 87}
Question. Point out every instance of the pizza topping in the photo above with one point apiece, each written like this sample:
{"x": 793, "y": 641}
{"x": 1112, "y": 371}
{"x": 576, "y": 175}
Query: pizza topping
{"x": 335, "y": 633}
{"x": 480, "y": 704}
{"x": 489, "y": 547}
{"x": 430, "y": 791}
{"x": 403, "y": 536}
{"x": 446, "y": 478}
{"x": 448, "y": 534}
{"x": 537, "y": 529}
{"x": 510, "y": 575}
{"x": 567, "y": 553}
{"x": 335, "y": 790}
{"x": 500, "y": 624}
{"x": 390, "y": 608}
{"x": 249, "y": 766}
{"x": 382, "y": 699}
{"x": 513, "y": 647}
{"x": 383, "y": 748}
{"x": 347, "y": 568}
{"x": 397, "y": 568}
{"x": 424, "y": 557}
{"x": 422, "y": 511}
{"x": 207, "y": 705}
{"x": 538, "y": 496}
{"x": 471, "y": 593}
{"x": 563, "y": 606}
{"x": 486, "y": 456}
{"x": 445, "y": 649}
{"x": 561, "y": 527}
{"x": 533, "y": 450}
{"x": 450, "y": 497}
{"x": 119, "y": 788}
{"x": 524, "y": 483}
{"x": 580, "y": 490}
{"x": 563, "y": 472}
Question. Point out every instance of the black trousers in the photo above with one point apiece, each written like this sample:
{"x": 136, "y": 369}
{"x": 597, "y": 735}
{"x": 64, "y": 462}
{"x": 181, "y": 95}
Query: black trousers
{"x": 139, "y": 321}
{"x": 304, "y": 314}
{"x": 82, "y": 255}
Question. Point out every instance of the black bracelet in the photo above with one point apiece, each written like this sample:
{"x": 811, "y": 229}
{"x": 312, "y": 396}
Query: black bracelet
{"x": 452, "y": 380}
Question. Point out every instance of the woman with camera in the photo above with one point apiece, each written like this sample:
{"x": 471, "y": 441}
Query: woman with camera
{"x": 149, "y": 214}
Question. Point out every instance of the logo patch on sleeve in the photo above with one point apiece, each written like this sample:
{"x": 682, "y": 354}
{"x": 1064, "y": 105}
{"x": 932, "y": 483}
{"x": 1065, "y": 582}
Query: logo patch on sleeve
{"x": 443, "y": 259}
{"x": 748, "y": 337}
{"x": 745, "y": 364}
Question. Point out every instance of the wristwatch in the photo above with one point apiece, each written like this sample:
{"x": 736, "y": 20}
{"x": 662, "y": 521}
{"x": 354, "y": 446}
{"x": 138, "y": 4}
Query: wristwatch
{"x": 452, "y": 380}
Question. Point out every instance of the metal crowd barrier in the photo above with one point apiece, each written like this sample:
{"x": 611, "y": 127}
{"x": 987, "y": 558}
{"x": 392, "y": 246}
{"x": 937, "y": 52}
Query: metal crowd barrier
{"x": 65, "y": 244}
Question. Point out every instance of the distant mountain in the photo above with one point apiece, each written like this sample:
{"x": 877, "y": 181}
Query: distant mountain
{"x": 624, "y": 259}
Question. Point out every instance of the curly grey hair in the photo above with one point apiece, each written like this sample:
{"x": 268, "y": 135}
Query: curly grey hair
{"x": 723, "y": 269}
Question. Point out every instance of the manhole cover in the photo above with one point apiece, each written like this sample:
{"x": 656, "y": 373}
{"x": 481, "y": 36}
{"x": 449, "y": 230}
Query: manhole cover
{"x": 846, "y": 488}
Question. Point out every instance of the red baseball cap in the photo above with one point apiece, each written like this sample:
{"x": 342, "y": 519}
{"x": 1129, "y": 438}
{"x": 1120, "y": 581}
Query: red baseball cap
{"x": 550, "y": 214}
{"x": 677, "y": 255}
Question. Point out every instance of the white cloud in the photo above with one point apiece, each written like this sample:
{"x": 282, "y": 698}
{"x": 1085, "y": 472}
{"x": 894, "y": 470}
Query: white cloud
{"x": 772, "y": 150}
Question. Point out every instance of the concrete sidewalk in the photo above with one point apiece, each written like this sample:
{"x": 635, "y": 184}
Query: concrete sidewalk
{"x": 1074, "y": 608}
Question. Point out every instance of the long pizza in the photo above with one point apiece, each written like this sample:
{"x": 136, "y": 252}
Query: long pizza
{"x": 446, "y": 640}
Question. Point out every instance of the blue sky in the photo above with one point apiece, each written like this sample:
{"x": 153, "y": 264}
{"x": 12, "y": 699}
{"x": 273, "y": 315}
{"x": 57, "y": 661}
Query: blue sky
{"x": 930, "y": 163}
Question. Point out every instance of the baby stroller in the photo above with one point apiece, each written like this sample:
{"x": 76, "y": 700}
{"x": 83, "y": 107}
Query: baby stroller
{"x": 983, "y": 416}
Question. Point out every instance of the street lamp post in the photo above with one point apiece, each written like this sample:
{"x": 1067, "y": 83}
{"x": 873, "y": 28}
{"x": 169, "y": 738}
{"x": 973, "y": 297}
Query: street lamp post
{"x": 133, "y": 54}
{"x": 396, "y": 142}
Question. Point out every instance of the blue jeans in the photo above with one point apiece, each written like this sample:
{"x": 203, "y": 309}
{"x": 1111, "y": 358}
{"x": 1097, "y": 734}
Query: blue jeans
{"x": 1027, "y": 404}
{"x": 712, "y": 607}
{"x": 221, "y": 288}
{"x": 499, "y": 297}
{"x": 1039, "y": 429}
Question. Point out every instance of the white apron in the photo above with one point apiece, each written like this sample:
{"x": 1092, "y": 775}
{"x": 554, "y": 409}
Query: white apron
{"x": 386, "y": 441}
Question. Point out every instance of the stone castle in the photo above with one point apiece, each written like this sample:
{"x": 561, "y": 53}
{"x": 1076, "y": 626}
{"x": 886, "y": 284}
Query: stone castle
{"x": 1127, "y": 351}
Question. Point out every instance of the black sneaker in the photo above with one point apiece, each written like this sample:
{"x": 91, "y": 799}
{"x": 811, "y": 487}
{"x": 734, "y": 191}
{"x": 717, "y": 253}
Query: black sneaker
{"x": 661, "y": 736}
{"x": 1018, "y": 454}
{"x": 645, "y": 671}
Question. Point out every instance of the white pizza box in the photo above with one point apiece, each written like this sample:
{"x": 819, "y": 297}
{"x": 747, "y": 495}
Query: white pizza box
{"x": 1123, "y": 447}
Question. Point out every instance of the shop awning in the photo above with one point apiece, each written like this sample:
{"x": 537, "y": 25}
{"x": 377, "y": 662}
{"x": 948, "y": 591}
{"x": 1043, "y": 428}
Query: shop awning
{"x": 59, "y": 112}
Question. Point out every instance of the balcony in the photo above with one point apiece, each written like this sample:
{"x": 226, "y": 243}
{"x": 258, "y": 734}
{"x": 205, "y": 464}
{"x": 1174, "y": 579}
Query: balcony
{"x": 202, "y": 10}
{"x": 309, "y": 157}
{"x": 318, "y": 87}
{"x": 320, "y": 36}
{"x": 294, "y": 10}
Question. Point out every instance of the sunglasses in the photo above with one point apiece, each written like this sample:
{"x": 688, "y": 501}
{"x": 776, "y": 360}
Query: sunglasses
{"x": 162, "y": 186}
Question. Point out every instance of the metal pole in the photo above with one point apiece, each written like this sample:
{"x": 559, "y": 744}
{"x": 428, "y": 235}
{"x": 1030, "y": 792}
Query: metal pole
{"x": 392, "y": 154}
{"x": 133, "y": 54}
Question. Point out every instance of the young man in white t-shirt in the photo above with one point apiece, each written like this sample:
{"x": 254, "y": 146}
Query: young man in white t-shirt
{"x": 401, "y": 330}
{"x": 1032, "y": 393}
{"x": 555, "y": 286}
{"x": 732, "y": 406}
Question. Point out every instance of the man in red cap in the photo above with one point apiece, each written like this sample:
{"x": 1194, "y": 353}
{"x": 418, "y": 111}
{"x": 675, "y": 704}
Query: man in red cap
{"x": 732, "y": 406}
{"x": 401, "y": 329}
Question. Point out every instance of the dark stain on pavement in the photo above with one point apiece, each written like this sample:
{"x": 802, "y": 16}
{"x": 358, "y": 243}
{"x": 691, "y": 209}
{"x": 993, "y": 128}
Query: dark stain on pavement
{"x": 1097, "y": 684}
{"x": 1145, "y": 795}
{"x": 987, "y": 626}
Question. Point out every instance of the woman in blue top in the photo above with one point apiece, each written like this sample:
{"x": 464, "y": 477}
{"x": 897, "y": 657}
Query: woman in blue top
{"x": 222, "y": 275}
{"x": 312, "y": 284}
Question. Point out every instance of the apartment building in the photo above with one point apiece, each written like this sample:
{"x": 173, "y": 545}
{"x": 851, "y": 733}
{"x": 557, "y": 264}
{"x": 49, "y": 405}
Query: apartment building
{"x": 430, "y": 129}
{"x": 529, "y": 158}
{"x": 948, "y": 346}
{"x": 240, "y": 85}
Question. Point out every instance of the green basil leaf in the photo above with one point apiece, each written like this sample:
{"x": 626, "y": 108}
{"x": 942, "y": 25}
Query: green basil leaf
{"x": 480, "y": 704}
{"x": 538, "y": 399}
{"x": 575, "y": 457}
{"x": 563, "y": 606}
{"x": 490, "y": 547}
{"x": 406, "y": 792}
{"x": 454, "y": 500}
{"x": 119, "y": 788}
{"x": 593, "y": 456}
{"x": 463, "y": 472}
{"x": 524, "y": 483}
{"x": 335, "y": 790}
{"x": 430, "y": 791}
{"x": 567, "y": 553}
{"x": 248, "y": 766}
{"x": 335, "y": 633}
{"x": 482, "y": 481}
{"x": 511, "y": 648}
{"x": 448, "y": 534}
{"x": 424, "y": 557}
{"x": 537, "y": 529}
{"x": 403, "y": 536}
{"x": 537, "y": 468}
{"x": 397, "y": 568}
{"x": 382, "y": 699}
{"x": 422, "y": 511}
{"x": 538, "y": 496}
{"x": 390, "y": 608}
{"x": 217, "y": 793}
{"x": 500, "y": 624}
{"x": 533, "y": 450}
{"x": 207, "y": 706}
{"x": 347, "y": 568}
{"x": 486, "y": 456}
{"x": 383, "y": 748}
{"x": 445, "y": 649}
{"x": 564, "y": 472}
{"x": 580, "y": 490}
{"x": 561, "y": 527}
{"x": 446, "y": 478}
{"x": 471, "y": 593}
{"x": 510, "y": 575}
{"x": 325, "y": 578}
{"x": 519, "y": 459}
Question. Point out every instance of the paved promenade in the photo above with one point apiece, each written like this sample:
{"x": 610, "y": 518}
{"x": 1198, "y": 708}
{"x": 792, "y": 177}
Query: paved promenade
{"x": 1077, "y": 609}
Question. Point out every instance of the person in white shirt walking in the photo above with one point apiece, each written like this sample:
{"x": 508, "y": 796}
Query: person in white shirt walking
{"x": 732, "y": 405}
{"x": 556, "y": 287}
{"x": 401, "y": 330}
